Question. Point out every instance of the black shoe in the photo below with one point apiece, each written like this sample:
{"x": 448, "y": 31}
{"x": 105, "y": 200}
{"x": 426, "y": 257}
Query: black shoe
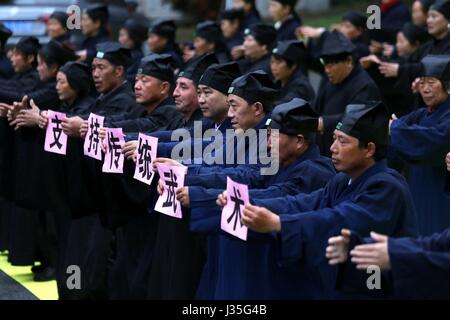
{"x": 46, "y": 274}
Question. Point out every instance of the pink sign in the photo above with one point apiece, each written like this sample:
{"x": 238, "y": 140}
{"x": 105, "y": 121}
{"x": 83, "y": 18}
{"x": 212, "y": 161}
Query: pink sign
{"x": 55, "y": 138}
{"x": 172, "y": 177}
{"x": 146, "y": 152}
{"x": 237, "y": 198}
{"x": 92, "y": 141}
{"x": 114, "y": 157}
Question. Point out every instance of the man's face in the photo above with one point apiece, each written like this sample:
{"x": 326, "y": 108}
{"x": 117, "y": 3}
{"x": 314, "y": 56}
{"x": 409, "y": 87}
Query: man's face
{"x": 252, "y": 49}
{"x": 104, "y": 75}
{"x": 337, "y": 72}
{"x": 229, "y": 28}
{"x": 54, "y": 28}
{"x": 277, "y": 11}
{"x": 147, "y": 89}
{"x": 213, "y": 103}
{"x": 185, "y": 95}
{"x": 346, "y": 155}
{"x": 88, "y": 26}
{"x": 287, "y": 146}
{"x": 242, "y": 115}
{"x": 432, "y": 92}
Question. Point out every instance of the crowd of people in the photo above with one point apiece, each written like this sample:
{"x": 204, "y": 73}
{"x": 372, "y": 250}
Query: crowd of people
{"x": 364, "y": 160}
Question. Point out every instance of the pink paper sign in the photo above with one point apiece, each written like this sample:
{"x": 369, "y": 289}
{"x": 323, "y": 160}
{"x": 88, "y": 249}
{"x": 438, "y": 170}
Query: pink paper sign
{"x": 146, "y": 152}
{"x": 172, "y": 178}
{"x": 237, "y": 198}
{"x": 55, "y": 138}
{"x": 92, "y": 141}
{"x": 114, "y": 157}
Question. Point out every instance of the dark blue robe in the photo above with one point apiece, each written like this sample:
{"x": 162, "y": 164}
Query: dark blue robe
{"x": 378, "y": 200}
{"x": 286, "y": 31}
{"x": 422, "y": 140}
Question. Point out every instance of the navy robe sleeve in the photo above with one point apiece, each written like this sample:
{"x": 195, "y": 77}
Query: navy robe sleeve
{"x": 419, "y": 144}
{"x": 421, "y": 267}
{"x": 305, "y": 234}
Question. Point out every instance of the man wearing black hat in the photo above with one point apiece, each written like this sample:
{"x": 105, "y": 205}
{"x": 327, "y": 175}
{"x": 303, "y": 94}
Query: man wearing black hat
{"x": 109, "y": 71}
{"x": 302, "y": 170}
{"x": 6, "y": 69}
{"x": 230, "y": 23}
{"x": 421, "y": 139}
{"x": 208, "y": 38}
{"x": 162, "y": 39}
{"x": 287, "y": 60}
{"x": 365, "y": 196}
{"x": 285, "y": 18}
{"x": 154, "y": 84}
{"x": 346, "y": 83}
{"x": 258, "y": 42}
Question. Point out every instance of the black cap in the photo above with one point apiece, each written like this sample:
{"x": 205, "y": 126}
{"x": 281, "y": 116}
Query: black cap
{"x": 367, "y": 122}
{"x": 426, "y": 4}
{"x": 78, "y": 75}
{"x": 436, "y": 66}
{"x": 28, "y": 45}
{"x": 98, "y": 12}
{"x": 355, "y": 18}
{"x": 61, "y": 17}
{"x": 136, "y": 31}
{"x": 294, "y": 117}
{"x": 208, "y": 30}
{"x": 55, "y": 52}
{"x": 164, "y": 28}
{"x": 114, "y": 52}
{"x": 443, "y": 7}
{"x": 290, "y": 50}
{"x": 291, "y": 3}
{"x": 415, "y": 33}
{"x": 336, "y": 46}
{"x": 255, "y": 87}
{"x": 159, "y": 66}
{"x": 220, "y": 76}
{"x": 232, "y": 14}
{"x": 262, "y": 33}
{"x": 5, "y": 33}
{"x": 197, "y": 66}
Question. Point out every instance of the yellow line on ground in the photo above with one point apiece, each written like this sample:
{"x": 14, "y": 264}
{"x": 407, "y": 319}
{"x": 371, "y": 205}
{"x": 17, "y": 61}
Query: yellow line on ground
{"x": 23, "y": 275}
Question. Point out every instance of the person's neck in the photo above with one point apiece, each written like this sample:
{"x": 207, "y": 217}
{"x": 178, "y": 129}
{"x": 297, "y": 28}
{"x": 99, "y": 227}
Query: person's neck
{"x": 150, "y": 106}
{"x": 356, "y": 172}
{"x": 295, "y": 157}
{"x": 188, "y": 114}
{"x": 285, "y": 18}
{"x": 220, "y": 118}
{"x": 115, "y": 87}
{"x": 442, "y": 35}
{"x": 347, "y": 74}
{"x": 71, "y": 101}
{"x": 437, "y": 104}
{"x": 94, "y": 33}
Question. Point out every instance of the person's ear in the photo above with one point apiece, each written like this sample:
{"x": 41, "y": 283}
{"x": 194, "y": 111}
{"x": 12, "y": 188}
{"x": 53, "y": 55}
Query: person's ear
{"x": 259, "y": 108}
{"x": 119, "y": 71}
{"x": 30, "y": 58}
{"x": 165, "y": 88}
{"x": 300, "y": 141}
{"x": 371, "y": 150}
